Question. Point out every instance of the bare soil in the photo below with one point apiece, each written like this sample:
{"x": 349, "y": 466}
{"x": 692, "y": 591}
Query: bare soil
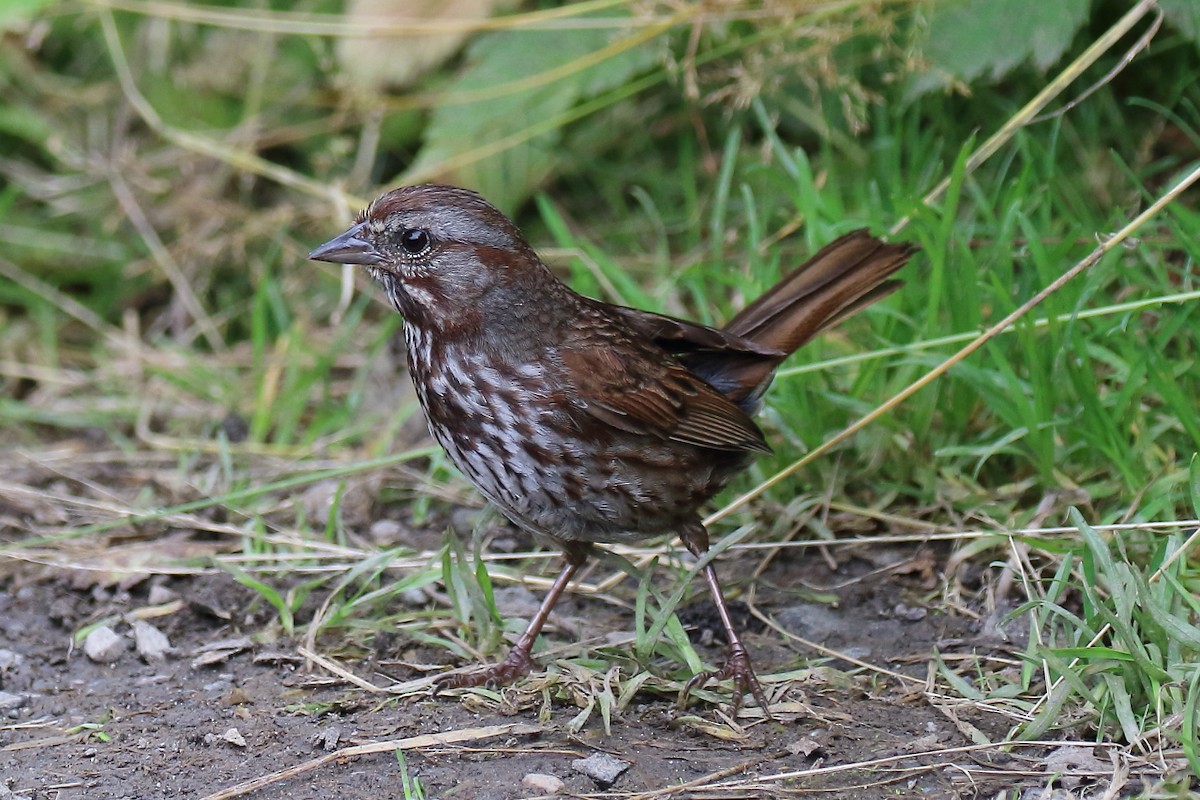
{"x": 181, "y": 729}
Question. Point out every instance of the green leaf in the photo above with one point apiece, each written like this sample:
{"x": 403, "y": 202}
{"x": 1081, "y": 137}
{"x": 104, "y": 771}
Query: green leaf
{"x": 974, "y": 39}
{"x": 503, "y": 116}
{"x": 1184, "y": 14}
{"x": 13, "y": 11}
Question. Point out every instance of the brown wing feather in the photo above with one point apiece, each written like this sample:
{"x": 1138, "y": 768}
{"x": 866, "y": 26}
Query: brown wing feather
{"x": 680, "y": 336}
{"x": 666, "y": 403}
{"x": 699, "y": 398}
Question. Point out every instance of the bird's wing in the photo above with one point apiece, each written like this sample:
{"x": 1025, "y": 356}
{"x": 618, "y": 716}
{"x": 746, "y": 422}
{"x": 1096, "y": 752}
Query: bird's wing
{"x": 680, "y": 336}
{"x": 638, "y": 388}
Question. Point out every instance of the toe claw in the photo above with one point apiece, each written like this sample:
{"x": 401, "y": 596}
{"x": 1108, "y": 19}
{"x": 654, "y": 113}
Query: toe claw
{"x": 738, "y": 668}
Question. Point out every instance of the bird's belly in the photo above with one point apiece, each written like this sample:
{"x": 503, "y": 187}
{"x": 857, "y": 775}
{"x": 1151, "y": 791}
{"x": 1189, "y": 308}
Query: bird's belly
{"x": 601, "y": 495}
{"x": 515, "y": 439}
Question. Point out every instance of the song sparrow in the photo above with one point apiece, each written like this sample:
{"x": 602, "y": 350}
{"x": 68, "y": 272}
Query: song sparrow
{"x": 583, "y": 421}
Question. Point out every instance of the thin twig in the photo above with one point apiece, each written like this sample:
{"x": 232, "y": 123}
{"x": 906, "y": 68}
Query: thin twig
{"x": 389, "y": 746}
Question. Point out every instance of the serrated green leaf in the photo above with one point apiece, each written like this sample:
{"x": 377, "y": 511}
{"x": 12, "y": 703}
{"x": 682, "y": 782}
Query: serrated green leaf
{"x": 974, "y": 39}
{"x": 1184, "y": 14}
{"x": 524, "y": 83}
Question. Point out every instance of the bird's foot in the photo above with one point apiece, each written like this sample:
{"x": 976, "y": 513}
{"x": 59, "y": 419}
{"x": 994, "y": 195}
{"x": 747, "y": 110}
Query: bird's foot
{"x": 517, "y": 663}
{"x": 738, "y": 668}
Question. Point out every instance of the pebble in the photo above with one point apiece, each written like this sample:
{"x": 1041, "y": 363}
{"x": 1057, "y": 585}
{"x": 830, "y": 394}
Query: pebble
{"x": 103, "y": 645}
{"x": 414, "y": 598}
{"x": 602, "y": 768}
{"x": 10, "y": 660}
{"x": 161, "y": 595}
{"x": 386, "y": 532}
{"x": 232, "y": 736}
{"x": 11, "y": 702}
{"x": 152, "y": 644}
{"x": 542, "y": 783}
{"x": 814, "y": 621}
{"x": 903, "y": 612}
{"x": 516, "y": 601}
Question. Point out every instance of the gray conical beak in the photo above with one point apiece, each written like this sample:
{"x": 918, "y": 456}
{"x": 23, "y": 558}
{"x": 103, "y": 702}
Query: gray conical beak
{"x": 348, "y": 248}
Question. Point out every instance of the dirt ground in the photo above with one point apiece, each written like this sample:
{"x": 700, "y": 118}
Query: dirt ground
{"x": 204, "y": 720}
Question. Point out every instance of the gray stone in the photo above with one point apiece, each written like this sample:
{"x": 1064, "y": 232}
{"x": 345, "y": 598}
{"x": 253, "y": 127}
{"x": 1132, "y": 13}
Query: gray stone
{"x": 11, "y": 702}
{"x": 103, "y": 645}
{"x": 161, "y": 595}
{"x": 10, "y": 660}
{"x": 814, "y": 621}
{"x": 602, "y": 768}
{"x": 542, "y": 783}
{"x": 152, "y": 644}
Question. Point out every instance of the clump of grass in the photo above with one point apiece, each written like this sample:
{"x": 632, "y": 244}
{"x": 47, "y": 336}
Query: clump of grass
{"x": 1115, "y": 640}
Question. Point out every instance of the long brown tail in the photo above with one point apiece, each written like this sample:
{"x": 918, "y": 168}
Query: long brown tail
{"x": 846, "y": 276}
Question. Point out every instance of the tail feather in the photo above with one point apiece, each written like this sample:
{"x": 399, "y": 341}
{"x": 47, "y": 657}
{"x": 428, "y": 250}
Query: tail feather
{"x": 844, "y": 277}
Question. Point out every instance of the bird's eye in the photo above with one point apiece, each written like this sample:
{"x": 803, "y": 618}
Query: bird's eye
{"x": 415, "y": 241}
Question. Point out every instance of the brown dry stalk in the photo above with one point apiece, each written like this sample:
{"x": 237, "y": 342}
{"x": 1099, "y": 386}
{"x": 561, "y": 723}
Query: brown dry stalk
{"x": 391, "y": 745}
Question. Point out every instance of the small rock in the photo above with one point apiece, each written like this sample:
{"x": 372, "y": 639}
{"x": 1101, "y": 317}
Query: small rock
{"x": 10, "y": 660}
{"x": 516, "y": 601}
{"x": 385, "y": 532}
{"x": 906, "y": 614}
{"x": 161, "y": 595}
{"x": 414, "y": 598}
{"x": 816, "y": 622}
{"x": 232, "y": 736}
{"x": 542, "y": 783}
{"x": 601, "y": 768}
{"x": 152, "y": 644}
{"x": 11, "y": 702}
{"x": 103, "y": 645}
